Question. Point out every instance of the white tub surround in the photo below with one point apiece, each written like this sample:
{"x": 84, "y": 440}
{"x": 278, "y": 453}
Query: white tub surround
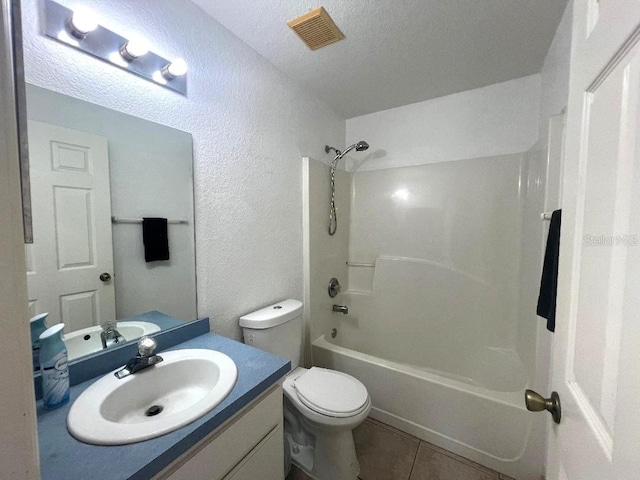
{"x": 439, "y": 327}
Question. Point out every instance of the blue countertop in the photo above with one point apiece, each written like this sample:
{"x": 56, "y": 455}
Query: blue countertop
{"x": 64, "y": 457}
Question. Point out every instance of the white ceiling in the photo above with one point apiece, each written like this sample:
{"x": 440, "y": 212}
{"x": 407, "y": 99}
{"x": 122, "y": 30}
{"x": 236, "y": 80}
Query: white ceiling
{"x": 398, "y": 52}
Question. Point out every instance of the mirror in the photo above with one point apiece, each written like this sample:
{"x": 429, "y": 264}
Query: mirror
{"x": 95, "y": 174}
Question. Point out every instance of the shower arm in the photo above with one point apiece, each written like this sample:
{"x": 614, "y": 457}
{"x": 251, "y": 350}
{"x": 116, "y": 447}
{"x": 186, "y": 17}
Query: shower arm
{"x": 327, "y": 149}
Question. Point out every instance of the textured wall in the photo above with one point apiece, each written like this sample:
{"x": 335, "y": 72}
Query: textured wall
{"x": 251, "y": 126}
{"x": 500, "y": 119}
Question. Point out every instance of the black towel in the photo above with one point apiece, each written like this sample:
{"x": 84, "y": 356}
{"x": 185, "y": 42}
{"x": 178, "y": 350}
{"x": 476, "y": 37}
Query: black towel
{"x": 155, "y": 238}
{"x": 549, "y": 282}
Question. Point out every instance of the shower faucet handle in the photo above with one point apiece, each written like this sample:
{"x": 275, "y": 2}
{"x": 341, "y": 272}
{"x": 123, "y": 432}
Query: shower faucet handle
{"x": 334, "y": 287}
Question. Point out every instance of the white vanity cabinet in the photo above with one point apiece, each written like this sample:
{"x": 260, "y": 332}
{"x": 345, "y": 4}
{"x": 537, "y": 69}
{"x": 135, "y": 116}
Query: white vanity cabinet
{"x": 248, "y": 446}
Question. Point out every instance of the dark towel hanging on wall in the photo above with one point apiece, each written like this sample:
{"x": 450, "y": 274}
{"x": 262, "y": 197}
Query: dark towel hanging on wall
{"x": 156, "y": 239}
{"x": 549, "y": 282}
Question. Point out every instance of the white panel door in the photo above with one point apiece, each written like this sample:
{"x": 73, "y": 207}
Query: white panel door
{"x": 72, "y": 244}
{"x": 596, "y": 361}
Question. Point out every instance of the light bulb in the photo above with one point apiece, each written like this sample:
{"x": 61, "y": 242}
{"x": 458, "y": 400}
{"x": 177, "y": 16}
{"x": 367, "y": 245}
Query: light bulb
{"x": 82, "y": 22}
{"x": 134, "y": 48}
{"x": 175, "y": 69}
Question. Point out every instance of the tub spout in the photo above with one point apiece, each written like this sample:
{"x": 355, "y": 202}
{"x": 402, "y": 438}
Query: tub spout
{"x": 341, "y": 308}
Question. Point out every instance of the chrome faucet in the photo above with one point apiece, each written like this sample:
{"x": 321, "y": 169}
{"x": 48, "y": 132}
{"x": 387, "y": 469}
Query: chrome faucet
{"x": 144, "y": 359}
{"x": 110, "y": 336}
{"x": 341, "y": 308}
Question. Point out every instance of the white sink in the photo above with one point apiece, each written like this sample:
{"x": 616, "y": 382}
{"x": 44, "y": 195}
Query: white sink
{"x": 185, "y": 386}
{"x": 86, "y": 341}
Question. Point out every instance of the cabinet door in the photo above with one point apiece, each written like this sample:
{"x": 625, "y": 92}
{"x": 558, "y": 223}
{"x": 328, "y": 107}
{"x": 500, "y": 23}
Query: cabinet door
{"x": 264, "y": 462}
{"x": 227, "y": 447}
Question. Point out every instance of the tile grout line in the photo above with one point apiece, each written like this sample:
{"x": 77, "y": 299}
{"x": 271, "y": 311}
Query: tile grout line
{"x": 415, "y": 458}
{"x": 463, "y": 460}
{"x": 392, "y": 429}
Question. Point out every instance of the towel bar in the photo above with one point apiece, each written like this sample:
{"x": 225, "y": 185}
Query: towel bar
{"x": 139, "y": 220}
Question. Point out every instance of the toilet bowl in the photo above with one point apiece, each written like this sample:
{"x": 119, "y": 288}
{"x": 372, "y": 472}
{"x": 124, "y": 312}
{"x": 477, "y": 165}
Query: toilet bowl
{"x": 321, "y": 406}
{"x": 319, "y": 419}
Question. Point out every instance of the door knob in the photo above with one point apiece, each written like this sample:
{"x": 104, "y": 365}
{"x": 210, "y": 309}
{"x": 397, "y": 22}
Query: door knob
{"x": 537, "y": 403}
{"x": 105, "y": 277}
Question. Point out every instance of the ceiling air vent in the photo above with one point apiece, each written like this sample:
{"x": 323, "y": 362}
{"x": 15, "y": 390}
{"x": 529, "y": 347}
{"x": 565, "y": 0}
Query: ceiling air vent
{"x": 316, "y": 29}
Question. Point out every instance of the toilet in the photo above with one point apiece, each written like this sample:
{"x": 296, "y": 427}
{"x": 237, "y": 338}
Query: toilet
{"x": 321, "y": 406}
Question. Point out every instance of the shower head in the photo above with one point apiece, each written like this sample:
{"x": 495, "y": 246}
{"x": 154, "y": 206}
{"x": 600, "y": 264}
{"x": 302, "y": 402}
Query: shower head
{"x": 361, "y": 146}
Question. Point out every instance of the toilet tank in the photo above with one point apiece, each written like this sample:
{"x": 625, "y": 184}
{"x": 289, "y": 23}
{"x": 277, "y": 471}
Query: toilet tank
{"x": 276, "y": 329}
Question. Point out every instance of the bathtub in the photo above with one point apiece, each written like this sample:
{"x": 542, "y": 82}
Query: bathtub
{"x": 486, "y": 423}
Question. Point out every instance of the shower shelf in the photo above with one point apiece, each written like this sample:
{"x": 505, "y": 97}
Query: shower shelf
{"x": 357, "y": 264}
{"x": 363, "y": 293}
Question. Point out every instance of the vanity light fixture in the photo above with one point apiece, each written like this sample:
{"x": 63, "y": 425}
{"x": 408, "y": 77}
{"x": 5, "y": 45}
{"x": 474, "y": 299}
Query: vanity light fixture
{"x": 134, "y": 48}
{"x": 175, "y": 69}
{"x": 82, "y": 22}
{"x": 81, "y": 30}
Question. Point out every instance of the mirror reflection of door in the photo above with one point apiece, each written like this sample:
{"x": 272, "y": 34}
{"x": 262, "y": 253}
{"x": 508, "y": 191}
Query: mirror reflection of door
{"x": 72, "y": 227}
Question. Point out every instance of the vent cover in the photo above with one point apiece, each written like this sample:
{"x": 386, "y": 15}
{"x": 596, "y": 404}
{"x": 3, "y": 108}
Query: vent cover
{"x": 316, "y": 29}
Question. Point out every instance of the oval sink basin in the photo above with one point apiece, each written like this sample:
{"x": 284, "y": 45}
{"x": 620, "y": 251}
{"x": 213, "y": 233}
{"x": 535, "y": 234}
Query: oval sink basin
{"x": 154, "y": 401}
{"x": 86, "y": 341}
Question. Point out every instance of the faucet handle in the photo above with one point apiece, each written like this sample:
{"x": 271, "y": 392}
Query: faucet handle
{"x": 108, "y": 325}
{"x": 146, "y": 346}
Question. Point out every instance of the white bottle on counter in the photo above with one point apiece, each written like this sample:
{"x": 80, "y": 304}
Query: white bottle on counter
{"x": 38, "y": 325}
{"x": 53, "y": 365}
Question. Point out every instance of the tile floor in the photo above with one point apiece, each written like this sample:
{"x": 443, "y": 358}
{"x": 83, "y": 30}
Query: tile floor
{"x": 386, "y": 453}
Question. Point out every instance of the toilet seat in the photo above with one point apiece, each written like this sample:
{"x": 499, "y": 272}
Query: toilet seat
{"x": 331, "y": 393}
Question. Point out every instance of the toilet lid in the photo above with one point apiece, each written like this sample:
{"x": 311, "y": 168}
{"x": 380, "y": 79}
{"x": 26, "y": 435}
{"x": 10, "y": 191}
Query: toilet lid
{"x": 331, "y": 393}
